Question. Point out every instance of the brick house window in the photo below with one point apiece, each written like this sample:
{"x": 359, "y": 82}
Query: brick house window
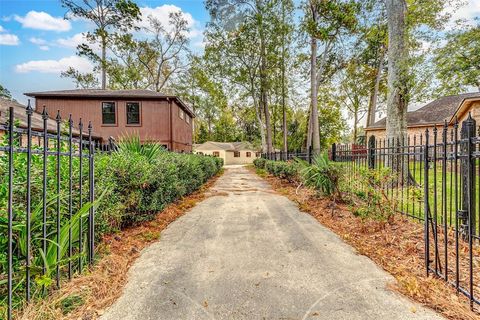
{"x": 236, "y": 154}
{"x": 249, "y": 154}
{"x": 181, "y": 113}
{"x": 133, "y": 113}
{"x": 216, "y": 154}
{"x": 109, "y": 113}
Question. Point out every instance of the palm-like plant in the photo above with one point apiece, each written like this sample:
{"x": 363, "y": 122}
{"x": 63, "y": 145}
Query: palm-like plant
{"x": 322, "y": 175}
{"x": 132, "y": 144}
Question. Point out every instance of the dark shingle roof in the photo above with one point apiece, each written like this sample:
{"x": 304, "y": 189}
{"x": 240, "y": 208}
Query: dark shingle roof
{"x": 436, "y": 111}
{"x": 99, "y": 93}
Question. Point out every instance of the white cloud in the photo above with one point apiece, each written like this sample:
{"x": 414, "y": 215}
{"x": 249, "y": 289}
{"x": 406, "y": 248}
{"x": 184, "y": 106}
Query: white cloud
{"x": 43, "y": 21}
{"x": 55, "y": 66}
{"x": 73, "y": 41}
{"x": 1, "y": 29}
{"x": 38, "y": 41}
{"x": 44, "y": 48}
{"x": 162, "y": 14}
{"x": 7, "y": 39}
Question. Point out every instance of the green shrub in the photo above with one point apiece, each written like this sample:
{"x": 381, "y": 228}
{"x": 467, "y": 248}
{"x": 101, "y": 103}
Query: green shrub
{"x": 142, "y": 185}
{"x": 259, "y": 163}
{"x": 368, "y": 196}
{"x": 283, "y": 170}
{"x": 323, "y": 175}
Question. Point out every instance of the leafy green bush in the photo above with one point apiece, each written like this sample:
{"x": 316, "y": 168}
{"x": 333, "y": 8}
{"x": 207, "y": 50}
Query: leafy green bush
{"x": 259, "y": 163}
{"x": 283, "y": 170}
{"x": 323, "y": 175}
{"x": 142, "y": 185}
{"x": 368, "y": 196}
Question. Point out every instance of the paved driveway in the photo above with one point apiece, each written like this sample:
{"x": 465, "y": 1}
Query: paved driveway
{"x": 248, "y": 253}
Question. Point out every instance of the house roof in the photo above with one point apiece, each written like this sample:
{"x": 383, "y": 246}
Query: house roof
{"x": 435, "y": 112}
{"x": 20, "y": 115}
{"x": 100, "y": 93}
{"x": 227, "y": 146}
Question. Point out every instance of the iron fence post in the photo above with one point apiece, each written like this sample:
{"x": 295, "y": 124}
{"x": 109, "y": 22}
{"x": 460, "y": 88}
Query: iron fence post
{"x": 371, "y": 152}
{"x": 468, "y": 190}
{"x": 426, "y": 203}
{"x": 467, "y": 168}
{"x": 10, "y": 212}
{"x": 29, "y": 112}
{"x": 58, "y": 120}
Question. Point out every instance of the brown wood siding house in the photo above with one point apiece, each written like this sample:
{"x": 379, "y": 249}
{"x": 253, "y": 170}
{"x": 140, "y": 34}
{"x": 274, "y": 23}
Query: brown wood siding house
{"x": 433, "y": 114}
{"x": 117, "y": 113}
{"x": 20, "y": 116}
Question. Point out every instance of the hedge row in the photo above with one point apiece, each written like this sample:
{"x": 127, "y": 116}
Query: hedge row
{"x": 285, "y": 170}
{"x": 139, "y": 187}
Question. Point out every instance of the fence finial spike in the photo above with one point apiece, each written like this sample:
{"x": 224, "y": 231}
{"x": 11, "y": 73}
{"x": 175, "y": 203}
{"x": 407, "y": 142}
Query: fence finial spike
{"x": 470, "y": 116}
{"x": 70, "y": 120}
{"x": 90, "y": 127}
{"x": 29, "y": 108}
{"x": 45, "y": 113}
{"x": 58, "y": 118}
{"x": 445, "y": 124}
{"x": 80, "y": 123}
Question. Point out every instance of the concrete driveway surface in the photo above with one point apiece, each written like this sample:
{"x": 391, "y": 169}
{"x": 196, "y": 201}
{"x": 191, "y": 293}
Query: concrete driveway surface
{"x": 248, "y": 253}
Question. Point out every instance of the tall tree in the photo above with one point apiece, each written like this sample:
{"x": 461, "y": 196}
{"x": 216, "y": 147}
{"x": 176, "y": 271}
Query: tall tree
{"x": 110, "y": 17}
{"x": 397, "y": 101}
{"x": 457, "y": 63}
{"x": 327, "y": 22}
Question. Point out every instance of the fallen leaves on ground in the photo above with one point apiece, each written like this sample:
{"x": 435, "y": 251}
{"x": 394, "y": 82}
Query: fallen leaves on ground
{"x": 396, "y": 246}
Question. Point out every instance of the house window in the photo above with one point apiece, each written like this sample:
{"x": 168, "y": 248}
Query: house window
{"x": 216, "y": 154}
{"x": 249, "y": 154}
{"x": 180, "y": 113}
{"x": 236, "y": 154}
{"x": 187, "y": 118}
{"x": 108, "y": 113}
{"x": 133, "y": 113}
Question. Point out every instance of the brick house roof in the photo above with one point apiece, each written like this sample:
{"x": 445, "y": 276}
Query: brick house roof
{"x": 435, "y": 112}
{"x": 100, "y": 93}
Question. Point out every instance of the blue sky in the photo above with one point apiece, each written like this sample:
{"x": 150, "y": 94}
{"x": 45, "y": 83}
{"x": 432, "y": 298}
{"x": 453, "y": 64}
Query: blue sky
{"x": 36, "y": 43}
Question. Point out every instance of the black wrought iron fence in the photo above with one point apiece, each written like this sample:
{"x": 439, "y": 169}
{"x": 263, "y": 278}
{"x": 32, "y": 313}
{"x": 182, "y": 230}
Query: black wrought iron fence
{"x": 306, "y": 155}
{"x": 46, "y": 214}
{"x": 434, "y": 178}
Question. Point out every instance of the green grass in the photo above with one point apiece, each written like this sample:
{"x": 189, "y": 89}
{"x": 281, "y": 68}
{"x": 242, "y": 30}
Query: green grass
{"x": 410, "y": 199}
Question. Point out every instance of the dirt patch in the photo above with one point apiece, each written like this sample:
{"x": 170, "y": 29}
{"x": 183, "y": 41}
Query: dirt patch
{"x": 99, "y": 287}
{"x": 397, "y": 247}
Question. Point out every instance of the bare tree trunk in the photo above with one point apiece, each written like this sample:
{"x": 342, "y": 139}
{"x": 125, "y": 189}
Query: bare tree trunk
{"x": 397, "y": 68}
{"x": 355, "y": 125}
{"x": 263, "y": 80}
{"x": 314, "y": 89}
{"x": 285, "y": 146}
{"x": 397, "y": 102}
{"x": 104, "y": 62}
{"x": 372, "y": 105}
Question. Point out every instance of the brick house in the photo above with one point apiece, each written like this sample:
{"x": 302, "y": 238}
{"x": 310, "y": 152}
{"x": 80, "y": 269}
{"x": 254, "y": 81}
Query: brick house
{"x": 116, "y": 113}
{"x": 230, "y": 152}
{"x": 434, "y": 113}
